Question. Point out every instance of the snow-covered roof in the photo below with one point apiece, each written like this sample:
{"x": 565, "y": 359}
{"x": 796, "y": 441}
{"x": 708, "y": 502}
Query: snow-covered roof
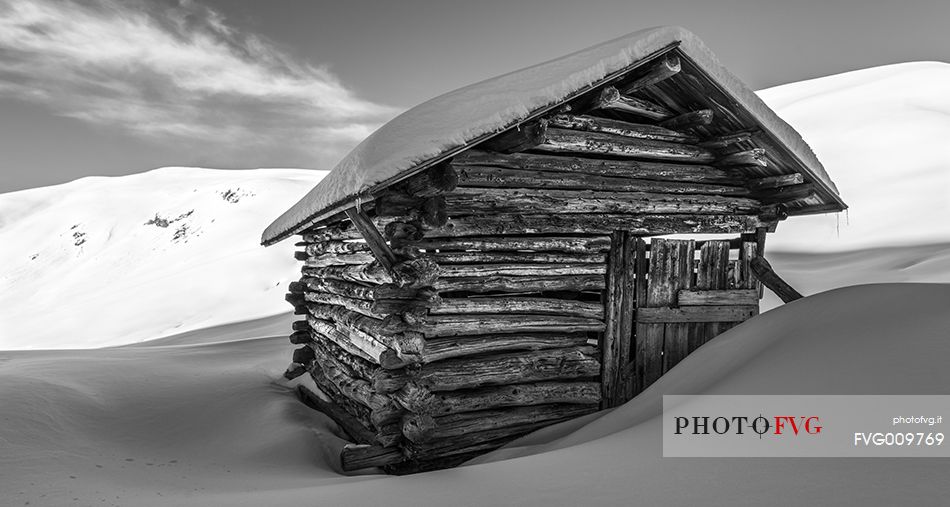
{"x": 445, "y": 125}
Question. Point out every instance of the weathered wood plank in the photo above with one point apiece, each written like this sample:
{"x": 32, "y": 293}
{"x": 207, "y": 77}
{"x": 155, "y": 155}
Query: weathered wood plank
{"x": 436, "y": 180}
{"x": 331, "y": 286}
{"x": 580, "y": 223}
{"x": 677, "y": 335}
{"x": 611, "y": 99}
{"x": 349, "y": 424}
{"x": 500, "y": 177}
{"x": 753, "y": 157}
{"x": 336, "y": 247}
{"x": 482, "y": 257}
{"x": 440, "y": 349}
{"x": 361, "y": 306}
{"x": 358, "y": 344}
{"x": 519, "y": 138}
{"x": 600, "y": 143}
{"x": 521, "y": 284}
{"x": 726, "y": 140}
{"x": 455, "y": 425}
{"x": 458, "y": 325}
{"x": 334, "y": 259}
{"x": 496, "y": 369}
{"x": 610, "y": 342}
{"x": 620, "y": 128}
{"x": 520, "y": 305}
{"x": 469, "y": 270}
{"x": 626, "y": 168}
{"x": 518, "y": 395}
{"x": 566, "y": 244}
{"x": 782, "y": 180}
{"x": 704, "y": 297}
{"x": 712, "y": 274}
{"x": 696, "y": 314}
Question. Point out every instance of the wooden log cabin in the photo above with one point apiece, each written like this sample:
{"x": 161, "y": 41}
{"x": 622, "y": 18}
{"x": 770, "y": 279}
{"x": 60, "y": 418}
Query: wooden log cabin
{"x": 490, "y": 261}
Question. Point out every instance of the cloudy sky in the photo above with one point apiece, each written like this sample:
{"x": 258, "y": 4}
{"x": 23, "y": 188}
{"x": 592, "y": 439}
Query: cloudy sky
{"x": 108, "y": 87}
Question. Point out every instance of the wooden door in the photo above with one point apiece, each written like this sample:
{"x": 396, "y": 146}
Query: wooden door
{"x": 664, "y": 300}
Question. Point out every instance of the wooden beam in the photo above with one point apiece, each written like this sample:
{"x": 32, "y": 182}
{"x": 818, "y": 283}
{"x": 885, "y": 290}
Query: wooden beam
{"x": 373, "y": 238}
{"x": 782, "y": 180}
{"x": 461, "y": 325}
{"x": 610, "y": 99}
{"x": 726, "y": 140}
{"x": 621, "y": 128}
{"x": 599, "y": 143}
{"x": 440, "y": 349}
{"x": 625, "y": 168}
{"x": 493, "y": 397}
{"x": 519, "y": 138}
{"x": 566, "y": 244}
{"x": 664, "y": 68}
{"x": 493, "y": 177}
{"x": 689, "y": 120}
{"x": 612, "y": 337}
{"x": 753, "y": 157}
{"x": 349, "y": 424}
{"x": 764, "y": 273}
{"x": 436, "y": 180}
{"x": 786, "y": 193}
{"x": 447, "y": 258}
{"x": 521, "y": 284}
{"x": 455, "y": 425}
{"x": 663, "y": 315}
{"x": 718, "y": 297}
{"x": 519, "y": 305}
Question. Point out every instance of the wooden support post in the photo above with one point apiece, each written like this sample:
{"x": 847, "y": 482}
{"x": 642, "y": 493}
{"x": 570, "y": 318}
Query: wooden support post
{"x": 664, "y": 68}
{"x": 764, "y": 273}
{"x": 611, "y": 338}
{"x": 373, "y": 238}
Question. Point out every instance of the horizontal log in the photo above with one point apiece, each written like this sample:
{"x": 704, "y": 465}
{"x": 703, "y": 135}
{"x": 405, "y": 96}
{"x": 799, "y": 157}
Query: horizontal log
{"x": 519, "y": 138}
{"x": 661, "y": 171}
{"x": 357, "y": 457}
{"x": 476, "y": 201}
{"x": 518, "y": 395}
{"x": 620, "y": 128}
{"x": 445, "y": 258}
{"x": 440, "y": 349}
{"x": 599, "y": 143}
{"x": 723, "y": 141}
{"x": 718, "y": 297}
{"x": 408, "y": 273}
{"x": 334, "y": 259}
{"x": 480, "y": 442}
{"x": 457, "y": 325}
{"x": 753, "y": 157}
{"x": 568, "y": 244}
{"x": 428, "y": 210}
{"x": 406, "y": 344}
{"x": 300, "y": 325}
{"x": 521, "y": 284}
{"x": 468, "y": 270}
{"x": 663, "y": 68}
{"x": 577, "y": 223}
{"x": 435, "y": 180}
{"x": 611, "y": 99}
{"x": 359, "y": 364}
{"x": 786, "y": 193}
{"x": 336, "y": 247}
{"x": 299, "y": 337}
{"x": 358, "y": 344}
{"x": 782, "y": 180}
{"x": 506, "y": 305}
{"x": 455, "y": 425}
{"x": 383, "y": 408}
{"x": 489, "y": 176}
{"x": 498, "y": 369}
{"x": 689, "y": 120}
{"x": 359, "y": 420}
{"x": 339, "y": 287}
{"x": 361, "y": 306}
{"x": 696, "y": 314}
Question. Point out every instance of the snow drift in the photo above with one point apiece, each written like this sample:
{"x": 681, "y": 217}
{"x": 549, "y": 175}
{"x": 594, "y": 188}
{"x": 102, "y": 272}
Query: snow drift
{"x": 213, "y": 424}
{"x": 103, "y": 261}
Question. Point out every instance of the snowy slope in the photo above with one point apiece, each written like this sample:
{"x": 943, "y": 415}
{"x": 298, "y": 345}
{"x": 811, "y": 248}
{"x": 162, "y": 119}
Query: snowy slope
{"x": 213, "y": 423}
{"x": 882, "y": 134}
{"x": 105, "y": 261}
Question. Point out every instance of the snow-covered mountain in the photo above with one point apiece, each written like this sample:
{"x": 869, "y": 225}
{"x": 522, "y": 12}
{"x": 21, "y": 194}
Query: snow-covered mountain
{"x": 106, "y": 261}
{"x": 882, "y": 134}
{"x": 109, "y": 261}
